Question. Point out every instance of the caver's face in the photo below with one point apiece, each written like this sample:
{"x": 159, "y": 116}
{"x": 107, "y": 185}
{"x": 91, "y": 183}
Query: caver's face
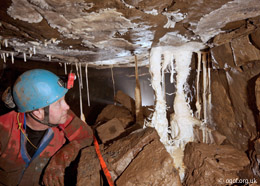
{"x": 58, "y": 112}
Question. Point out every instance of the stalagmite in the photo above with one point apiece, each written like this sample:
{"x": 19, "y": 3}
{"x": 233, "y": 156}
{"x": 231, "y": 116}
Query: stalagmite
{"x": 138, "y": 98}
{"x": 86, "y": 73}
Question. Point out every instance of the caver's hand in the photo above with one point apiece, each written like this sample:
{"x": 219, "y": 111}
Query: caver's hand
{"x": 55, "y": 171}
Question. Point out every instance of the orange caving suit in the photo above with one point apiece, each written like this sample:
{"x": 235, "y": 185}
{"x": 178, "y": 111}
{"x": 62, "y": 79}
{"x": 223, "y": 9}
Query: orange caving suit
{"x": 16, "y": 166}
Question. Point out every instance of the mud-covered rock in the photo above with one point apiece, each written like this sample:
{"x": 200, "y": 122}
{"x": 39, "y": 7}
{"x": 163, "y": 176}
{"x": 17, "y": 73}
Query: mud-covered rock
{"x": 89, "y": 168}
{"x": 222, "y": 57}
{"x": 137, "y": 159}
{"x": 125, "y": 100}
{"x": 244, "y": 51}
{"x": 152, "y": 166}
{"x": 122, "y": 152}
{"x": 110, "y": 130}
{"x": 113, "y": 111}
{"x": 212, "y": 164}
{"x": 257, "y": 93}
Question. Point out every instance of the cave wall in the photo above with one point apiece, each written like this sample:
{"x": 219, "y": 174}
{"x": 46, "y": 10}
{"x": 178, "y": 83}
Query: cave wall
{"x": 235, "y": 68}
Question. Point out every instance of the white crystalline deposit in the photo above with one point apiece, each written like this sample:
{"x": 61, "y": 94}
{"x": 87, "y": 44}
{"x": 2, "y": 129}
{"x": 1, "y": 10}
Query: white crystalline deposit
{"x": 211, "y": 24}
{"x": 159, "y": 120}
{"x": 183, "y": 119}
{"x": 19, "y": 7}
{"x": 173, "y": 18}
{"x": 182, "y": 122}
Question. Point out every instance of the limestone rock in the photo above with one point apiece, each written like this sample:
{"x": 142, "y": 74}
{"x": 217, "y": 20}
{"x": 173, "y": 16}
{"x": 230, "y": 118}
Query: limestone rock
{"x": 223, "y": 115}
{"x": 112, "y": 111}
{"x": 89, "y": 168}
{"x": 122, "y": 152}
{"x": 257, "y": 93}
{"x": 255, "y": 38}
{"x": 126, "y": 121}
{"x": 239, "y": 30}
{"x": 244, "y": 51}
{"x": 212, "y": 164}
{"x": 152, "y": 166}
{"x": 137, "y": 159}
{"x": 218, "y": 138}
{"x": 222, "y": 57}
{"x": 125, "y": 100}
{"x": 110, "y": 130}
{"x": 147, "y": 110}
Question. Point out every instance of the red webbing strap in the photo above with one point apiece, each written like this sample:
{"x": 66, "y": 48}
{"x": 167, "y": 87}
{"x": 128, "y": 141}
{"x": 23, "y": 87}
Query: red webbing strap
{"x": 102, "y": 163}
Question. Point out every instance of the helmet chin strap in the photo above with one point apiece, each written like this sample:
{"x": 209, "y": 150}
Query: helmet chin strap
{"x": 45, "y": 121}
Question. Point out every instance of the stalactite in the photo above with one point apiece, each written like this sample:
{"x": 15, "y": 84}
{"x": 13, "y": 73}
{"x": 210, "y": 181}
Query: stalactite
{"x": 82, "y": 117}
{"x": 65, "y": 68}
{"x": 209, "y": 85}
{"x": 205, "y": 85}
{"x": 86, "y": 73}
{"x": 12, "y": 57}
{"x": 49, "y": 56}
{"x": 138, "y": 97}
{"x": 159, "y": 120}
{"x": 24, "y": 57}
{"x": 34, "y": 50}
{"x": 113, "y": 81}
{"x": 198, "y": 102}
{"x": 4, "y": 57}
{"x": 80, "y": 73}
{"x": 6, "y": 43}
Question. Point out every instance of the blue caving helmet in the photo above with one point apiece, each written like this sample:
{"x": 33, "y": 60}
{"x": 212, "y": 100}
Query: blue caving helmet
{"x": 36, "y": 89}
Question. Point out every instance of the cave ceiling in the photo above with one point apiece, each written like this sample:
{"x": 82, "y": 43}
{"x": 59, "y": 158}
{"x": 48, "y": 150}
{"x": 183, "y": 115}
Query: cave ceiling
{"x": 109, "y": 32}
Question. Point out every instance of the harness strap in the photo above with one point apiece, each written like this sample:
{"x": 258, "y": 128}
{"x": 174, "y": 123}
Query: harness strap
{"x": 102, "y": 163}
{"x": 45, "y": 121}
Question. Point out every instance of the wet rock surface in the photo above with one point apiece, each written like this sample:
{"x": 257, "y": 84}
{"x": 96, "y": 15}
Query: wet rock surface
{"x": 138, "y": 159}
{"x": 152, "y": 166}
{"x": 212, "y": 164}
{"x": 89, "y": 168}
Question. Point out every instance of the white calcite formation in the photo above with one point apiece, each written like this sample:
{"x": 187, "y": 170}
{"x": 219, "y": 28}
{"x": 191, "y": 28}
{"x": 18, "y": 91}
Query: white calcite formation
{"x": 180, "y": 131}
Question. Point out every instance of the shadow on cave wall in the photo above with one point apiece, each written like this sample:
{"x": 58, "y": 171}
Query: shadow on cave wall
{"x": 251, "y": 97}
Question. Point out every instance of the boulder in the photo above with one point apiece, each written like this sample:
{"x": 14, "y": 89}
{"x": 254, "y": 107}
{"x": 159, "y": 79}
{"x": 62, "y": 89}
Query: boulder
{"x": 222, "y": 57}
{"x": 125, "y": 100}
{"x": 244, "y": 51}
{"x": 212, "y": 164}
{"x": 122, "y": 152}
{"x": 113, "y": 111}
{"x": 89, "y": 168}
{"x": 257, "y": 93}
{"x": 110, "y": 130}
{"x": 152, "y": 166}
